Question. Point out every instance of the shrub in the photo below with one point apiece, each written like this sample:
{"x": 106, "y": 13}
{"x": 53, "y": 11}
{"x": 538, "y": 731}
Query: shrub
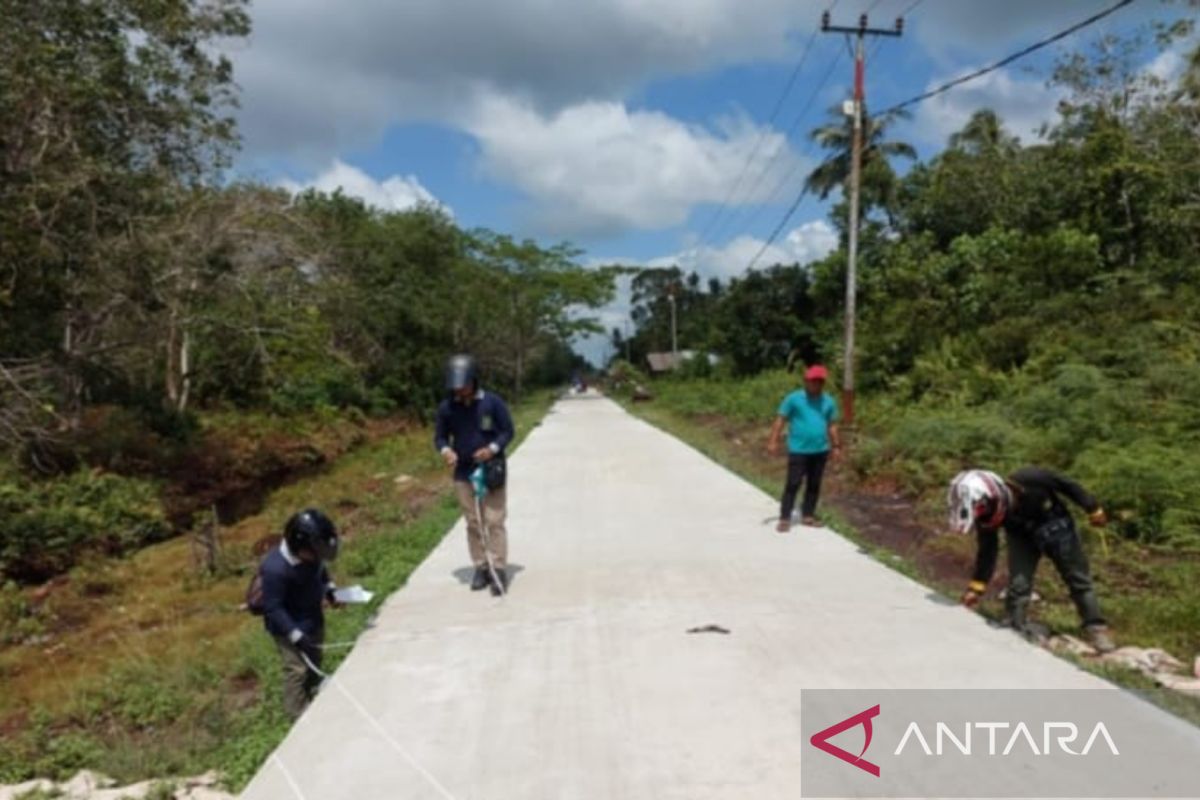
{"x": 45, "y": 526}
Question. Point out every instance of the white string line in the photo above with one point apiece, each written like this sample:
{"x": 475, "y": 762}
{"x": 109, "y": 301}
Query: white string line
{"x": 399, "y": 748}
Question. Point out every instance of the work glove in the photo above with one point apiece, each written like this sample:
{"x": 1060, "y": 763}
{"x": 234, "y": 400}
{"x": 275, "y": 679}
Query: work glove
{"x": 974, "y": 593}
{"x": 450, "y": 457}
{"x": 308, "y": 647}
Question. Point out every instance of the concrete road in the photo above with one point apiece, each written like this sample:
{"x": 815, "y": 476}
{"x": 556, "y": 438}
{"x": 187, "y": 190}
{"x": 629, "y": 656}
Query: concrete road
{"x": 583, "y": 682}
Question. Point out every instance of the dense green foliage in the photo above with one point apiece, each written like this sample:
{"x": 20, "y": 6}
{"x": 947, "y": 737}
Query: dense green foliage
{"x": 1018, "y": 303}
{"x": 44, "y": 525}
{"x": 136, "y": 286}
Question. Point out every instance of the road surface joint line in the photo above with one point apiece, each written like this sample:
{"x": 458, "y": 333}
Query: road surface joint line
{"x": 287, "y": 776}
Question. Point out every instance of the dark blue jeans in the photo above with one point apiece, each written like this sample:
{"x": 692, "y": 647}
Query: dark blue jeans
{"x": 806, "y": 468}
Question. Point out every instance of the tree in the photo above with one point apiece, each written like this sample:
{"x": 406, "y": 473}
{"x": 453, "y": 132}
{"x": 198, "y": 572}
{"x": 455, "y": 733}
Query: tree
{"x": 984, "y": 134}
{"x": 878, "y": 178}
{"x": 103, "y": 107}
{"x": 532, "y": 297}
{"x": 763, "y": 317}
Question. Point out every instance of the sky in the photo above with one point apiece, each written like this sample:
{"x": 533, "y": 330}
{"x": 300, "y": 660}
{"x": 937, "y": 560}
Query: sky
{"x": 646, "y": 132}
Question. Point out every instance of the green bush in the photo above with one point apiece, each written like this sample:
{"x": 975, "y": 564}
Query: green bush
{"x": 18, "y": 620}
{"x": 46, "y": 526}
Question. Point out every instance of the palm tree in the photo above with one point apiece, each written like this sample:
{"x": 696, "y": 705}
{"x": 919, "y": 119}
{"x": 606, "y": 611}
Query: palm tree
{"x": 984, "y": 134}
{"x": 837, "y": 137}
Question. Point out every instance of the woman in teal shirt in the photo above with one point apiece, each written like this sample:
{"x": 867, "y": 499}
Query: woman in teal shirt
{"x": 811, "y": 419}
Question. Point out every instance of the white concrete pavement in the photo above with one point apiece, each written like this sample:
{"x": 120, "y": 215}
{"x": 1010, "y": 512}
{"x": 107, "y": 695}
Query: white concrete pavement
{"x": 582, "y": 683}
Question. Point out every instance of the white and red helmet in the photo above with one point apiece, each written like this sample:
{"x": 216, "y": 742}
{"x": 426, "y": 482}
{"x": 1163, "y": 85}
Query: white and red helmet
{"x": 977, "y": 496}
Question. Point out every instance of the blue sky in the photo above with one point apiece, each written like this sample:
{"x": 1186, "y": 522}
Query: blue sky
{"x": 620, "y": 125}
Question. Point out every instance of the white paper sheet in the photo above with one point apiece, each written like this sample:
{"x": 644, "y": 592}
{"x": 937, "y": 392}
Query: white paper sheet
{"x": 353, "y": 594}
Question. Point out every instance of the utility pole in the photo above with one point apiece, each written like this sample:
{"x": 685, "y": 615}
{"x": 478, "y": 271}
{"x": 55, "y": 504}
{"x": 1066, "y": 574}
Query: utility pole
{"x": 855, "y": 111}
{"x": 674, "y": 336}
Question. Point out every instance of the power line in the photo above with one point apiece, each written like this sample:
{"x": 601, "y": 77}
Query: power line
{"x": 778, "y": 228}
{"x": 945, "y": 87}
{"x": 911, "y": 8}
{"x": 718, "y": 219}
{"x": 766, "y": 170}
{"x": 737, "y": 184}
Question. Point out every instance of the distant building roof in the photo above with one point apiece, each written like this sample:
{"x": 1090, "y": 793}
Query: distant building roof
{"x": 663, "y": 362}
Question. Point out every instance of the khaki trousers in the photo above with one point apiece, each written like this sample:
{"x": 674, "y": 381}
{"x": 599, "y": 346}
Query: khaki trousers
{"x": 495, "y": 511}
{"x": 300, "y": 683}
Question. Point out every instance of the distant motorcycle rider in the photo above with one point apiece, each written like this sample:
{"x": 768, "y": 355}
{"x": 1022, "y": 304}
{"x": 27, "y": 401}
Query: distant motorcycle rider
{"x": 1029, "y": 506}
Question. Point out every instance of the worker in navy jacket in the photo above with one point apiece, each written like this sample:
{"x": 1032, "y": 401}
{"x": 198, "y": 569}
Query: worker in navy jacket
{"x": 295, "y": 586}
{"x": 474, "y": 428}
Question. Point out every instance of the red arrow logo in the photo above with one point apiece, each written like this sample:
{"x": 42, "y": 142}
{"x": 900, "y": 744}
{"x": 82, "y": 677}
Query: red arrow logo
{"x": 821, "y": 739}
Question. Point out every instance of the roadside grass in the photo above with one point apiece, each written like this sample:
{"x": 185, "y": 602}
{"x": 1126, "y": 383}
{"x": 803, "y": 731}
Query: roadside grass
{"x": 163, "y": 674}
{"x": 1148, "y": 593}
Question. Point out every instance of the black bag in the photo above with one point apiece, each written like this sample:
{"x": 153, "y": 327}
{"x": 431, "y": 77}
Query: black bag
{"x": 254, "y": 592}
{"x": 495, "y": 472}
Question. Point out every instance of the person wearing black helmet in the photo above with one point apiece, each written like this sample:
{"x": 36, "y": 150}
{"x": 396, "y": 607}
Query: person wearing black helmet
{"x": 295, "y": 585}
{"x": 473, "y": 428}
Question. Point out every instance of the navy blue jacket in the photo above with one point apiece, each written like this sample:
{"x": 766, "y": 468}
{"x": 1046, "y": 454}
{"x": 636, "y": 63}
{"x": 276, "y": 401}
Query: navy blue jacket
{"x": 467, "y": 428}
{"x": 293, "y": 595}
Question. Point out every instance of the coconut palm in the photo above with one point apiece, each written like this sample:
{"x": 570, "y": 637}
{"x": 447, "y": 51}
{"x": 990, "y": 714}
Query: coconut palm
{"x": 983, "y": 134}
{"x": 837, "y": 137}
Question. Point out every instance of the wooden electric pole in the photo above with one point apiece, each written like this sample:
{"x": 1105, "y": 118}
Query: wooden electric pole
{"x": 855, "y": 111}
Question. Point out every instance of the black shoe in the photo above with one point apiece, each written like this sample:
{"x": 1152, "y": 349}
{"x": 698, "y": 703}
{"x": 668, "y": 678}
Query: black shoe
{"x": 480, "y": 579}
{"x": 502, "y": 577}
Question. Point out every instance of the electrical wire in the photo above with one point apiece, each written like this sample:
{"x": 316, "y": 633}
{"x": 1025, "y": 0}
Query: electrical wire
{"x": 1033, "y": 48}
{"x": 766, "y": 170}
{"x": 762, "y": 136}
{"x": 945, "y": 88}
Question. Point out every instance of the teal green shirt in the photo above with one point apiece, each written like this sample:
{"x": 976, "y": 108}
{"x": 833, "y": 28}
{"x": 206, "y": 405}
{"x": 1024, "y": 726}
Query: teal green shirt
{"x": 808, "y": 421}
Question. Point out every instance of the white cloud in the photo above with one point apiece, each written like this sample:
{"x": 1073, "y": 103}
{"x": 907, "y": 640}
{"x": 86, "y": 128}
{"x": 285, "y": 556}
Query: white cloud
{"x": 802, "y": 245}
{"x": 319, "y": 78}
{"x": 397, "y": 193}
{"x": 1169, "y": 65}
{"x": 598, "y": 167}
{"x": 1023, "y": 104}
{"x": 981, "y": 29}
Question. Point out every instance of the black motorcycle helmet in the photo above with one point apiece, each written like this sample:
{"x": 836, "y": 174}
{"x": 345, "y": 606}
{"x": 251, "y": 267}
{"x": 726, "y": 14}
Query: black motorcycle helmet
{"x": 461, "y": 372}
{"x": 313, "y": 531}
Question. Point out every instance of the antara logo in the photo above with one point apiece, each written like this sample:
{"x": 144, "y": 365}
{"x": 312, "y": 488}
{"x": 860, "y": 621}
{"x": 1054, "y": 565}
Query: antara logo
{"x": 1064, "y": 734}
{"x": 820, "y": 740}
{"x": 1055, "y": 736}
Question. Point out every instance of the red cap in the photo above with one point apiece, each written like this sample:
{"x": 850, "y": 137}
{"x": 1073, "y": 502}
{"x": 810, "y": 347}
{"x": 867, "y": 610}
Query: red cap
{"x": 816, "y": 373}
